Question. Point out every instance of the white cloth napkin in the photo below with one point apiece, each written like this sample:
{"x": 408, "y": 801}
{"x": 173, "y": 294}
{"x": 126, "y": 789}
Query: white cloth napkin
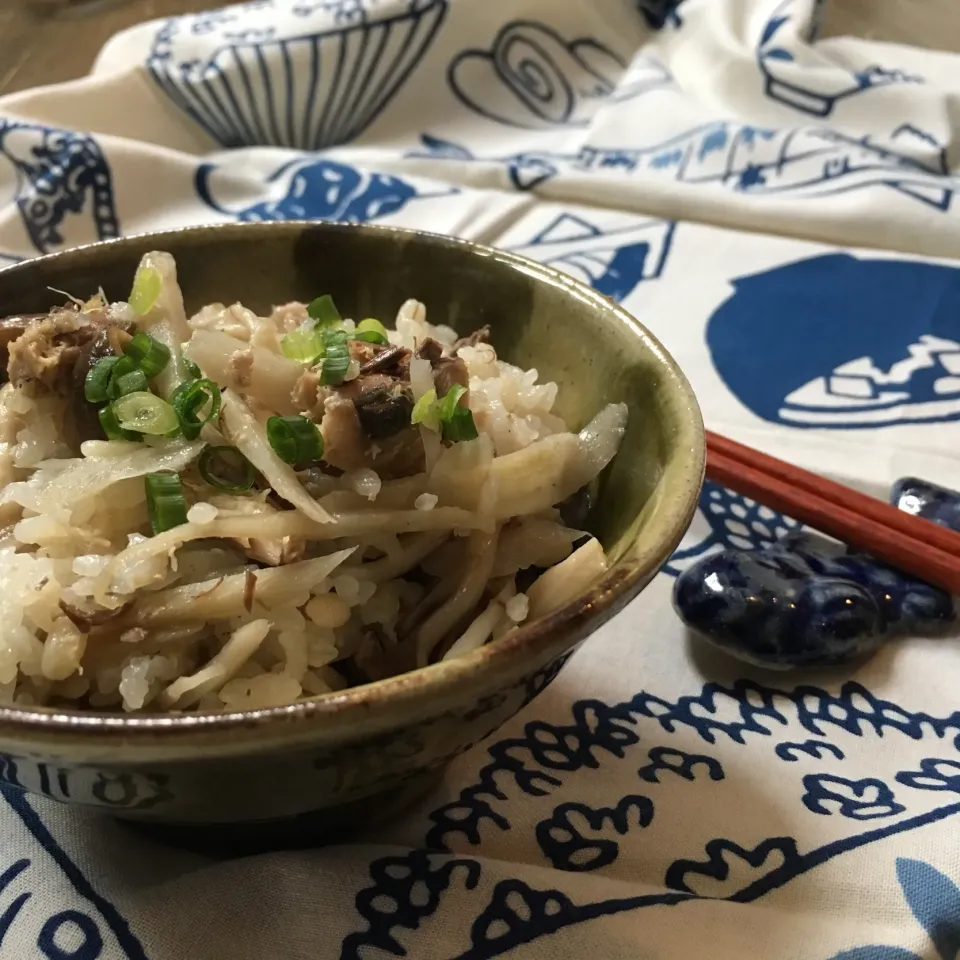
{"x": 778, "y": 210}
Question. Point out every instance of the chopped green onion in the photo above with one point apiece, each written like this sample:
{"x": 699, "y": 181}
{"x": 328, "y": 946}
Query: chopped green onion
{"x": 324, "y": 311}
{"x": 446, "y": 414}
{"x": 150, "y": 355}
{"x": 123, "y": 365}
{"x": 371, "y": 331}
{"x": 425, "y": 411}
{"x": 447, "y": 406}
{"x": 96, "y": 386}
{"x": 227, "y": 469}
{"x": 145, "y": 412}
{"x": 166, "y": 505}
{"x": 457, "y": 421}
{"x": 294, "y": 439}
{"x": 192, "y": 368}
{"x": 336, "y": 357}
{"x": 133, "y": 382}
{"x": 189, "y": 399}
{"x": 303, "y": 345}
{"x": 460, "y": 426}
{"x": 146, "y": 289}
{"x": 111, "y": 426}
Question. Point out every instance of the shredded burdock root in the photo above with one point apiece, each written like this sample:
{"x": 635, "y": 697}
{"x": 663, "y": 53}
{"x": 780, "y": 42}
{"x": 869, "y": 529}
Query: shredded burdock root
{"x": 228, "y": 511}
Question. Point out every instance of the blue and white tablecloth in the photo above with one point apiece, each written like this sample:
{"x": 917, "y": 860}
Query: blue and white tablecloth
{"x": 780, "y": 211}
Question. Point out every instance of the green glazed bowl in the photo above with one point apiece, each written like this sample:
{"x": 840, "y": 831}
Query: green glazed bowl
{"x": 350, "y": 756}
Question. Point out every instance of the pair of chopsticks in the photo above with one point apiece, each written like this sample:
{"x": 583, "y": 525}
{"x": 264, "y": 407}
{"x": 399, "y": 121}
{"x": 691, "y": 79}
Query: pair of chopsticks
{"x": 917, "y": 546}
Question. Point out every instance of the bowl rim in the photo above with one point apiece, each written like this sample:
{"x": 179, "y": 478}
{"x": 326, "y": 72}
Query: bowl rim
{"x": 685, "y": 470}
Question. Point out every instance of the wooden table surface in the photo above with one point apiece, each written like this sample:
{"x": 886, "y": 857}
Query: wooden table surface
{"x": 43, "y": 42}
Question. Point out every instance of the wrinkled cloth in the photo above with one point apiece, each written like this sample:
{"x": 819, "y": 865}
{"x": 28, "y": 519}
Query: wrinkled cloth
{"x": 781, "y": 212}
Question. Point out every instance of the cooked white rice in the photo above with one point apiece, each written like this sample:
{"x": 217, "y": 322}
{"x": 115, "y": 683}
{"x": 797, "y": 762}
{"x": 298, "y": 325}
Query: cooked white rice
{"x": 393, "y": 551}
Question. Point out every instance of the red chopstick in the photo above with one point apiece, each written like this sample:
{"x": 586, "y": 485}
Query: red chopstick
{"x": 912, "y": 544}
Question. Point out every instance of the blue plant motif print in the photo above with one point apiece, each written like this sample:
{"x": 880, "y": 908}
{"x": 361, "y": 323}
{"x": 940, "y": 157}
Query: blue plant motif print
{"x": 815, "y": 91}
{"x": 297, "y": 73}
{"x": 96, "y": 931}
{"x": 862, "y": 342}
{"x": 312, "y": 189}
{"x": 817, "y": 749}
{"x": 774, "y": 853}
{"x": 934, "y": 900}
{"x": 516, "y": 913}
{"x": 541, "y": 757}
{"x": 536, "y": 762}
{"x": 63, "y": 186}
{"x": 575, "y": 837}
{"x": 533, "y": 78}
{"x": 612, "y": 260}
{"x": 685, "y": 765}
{"x": 407, "y": 890}
{"x": 934, "y": 774}
{"x": 745, "y": 159}
{"x": 865, "y": 799}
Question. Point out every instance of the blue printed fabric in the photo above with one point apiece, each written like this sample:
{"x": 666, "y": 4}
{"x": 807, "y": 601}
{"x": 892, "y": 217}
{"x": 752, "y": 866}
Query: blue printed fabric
{"x": 780, "y": 210}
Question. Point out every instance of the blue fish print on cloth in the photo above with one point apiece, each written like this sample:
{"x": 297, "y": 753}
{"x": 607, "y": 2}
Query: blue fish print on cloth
{"x": 63, "y": 187}
{"x": 857, "y": 343}
{"x": 312, "y": 189}
{"x": 727, "y": 520}
{"x": 812, "y": 89}
{"x": 533, "y": 78}
{"x": 673, "y": 746}
{"x": 37, "y": 882}
{"x": 934, "y": 900}
{"x": 753, "y": 160}
{"x": 612, "y": 260}
{"x": 296, "y": 73}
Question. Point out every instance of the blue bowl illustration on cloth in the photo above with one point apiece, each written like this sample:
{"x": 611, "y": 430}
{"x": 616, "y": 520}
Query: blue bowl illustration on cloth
{"x": 798, "y": 76}
{"x": 803, "y": 600}
{"x": 294, "y": 73}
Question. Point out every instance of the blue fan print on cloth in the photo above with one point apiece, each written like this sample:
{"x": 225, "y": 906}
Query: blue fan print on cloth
{"x": 310, "y": 189}
{"x": 644, "y": 758}
{"x": 34, "y": 871}
{"x": 812, "y": 87}
{"x": 61, "y": 183}
{"x": 741, "y": 157}
{"x": 533, "y": 78}
{"x": 858, "y": 343}
{"x": 613, "y": 260}
{"x": 296, "y": 73}
{"x": 934, "y": 900}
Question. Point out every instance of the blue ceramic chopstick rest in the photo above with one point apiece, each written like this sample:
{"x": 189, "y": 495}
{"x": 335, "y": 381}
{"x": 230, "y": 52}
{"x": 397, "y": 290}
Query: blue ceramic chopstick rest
{"x": 806, "y": 600}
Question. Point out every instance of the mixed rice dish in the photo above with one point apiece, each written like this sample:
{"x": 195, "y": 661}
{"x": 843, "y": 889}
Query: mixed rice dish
{"x": 228, "y": 511}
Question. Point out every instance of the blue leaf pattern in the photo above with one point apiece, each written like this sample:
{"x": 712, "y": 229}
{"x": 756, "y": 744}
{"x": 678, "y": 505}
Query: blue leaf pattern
{"x": 877, "y": 953}
{"x": 934, "y": 899}
{"x": 935, "y": 902}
